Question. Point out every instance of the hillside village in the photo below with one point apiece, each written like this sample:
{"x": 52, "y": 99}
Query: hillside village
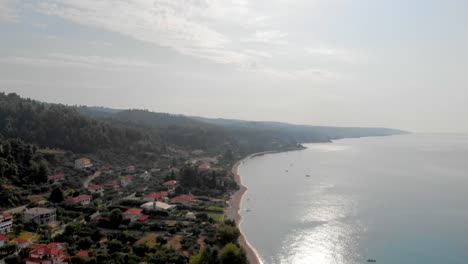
{"x": 129, "y": 214}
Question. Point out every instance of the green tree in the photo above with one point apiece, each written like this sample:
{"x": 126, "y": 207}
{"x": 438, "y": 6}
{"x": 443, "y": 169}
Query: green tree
{"x": 56, "y": 196}
{"x": 115, "y": 217}
{"x": 232, "y": 254}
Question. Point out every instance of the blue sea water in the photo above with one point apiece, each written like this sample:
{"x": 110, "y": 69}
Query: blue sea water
{"x": 398, "y": 199}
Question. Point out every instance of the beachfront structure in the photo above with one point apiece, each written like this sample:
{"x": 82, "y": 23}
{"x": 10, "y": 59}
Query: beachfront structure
{"x": 6, "y": 223}
{"x": 82, "y": 199}
{"x": 39, "y": 215}
{"x": 158, "y": 206}
{"x": 185, "y": 199}
{"x": 99, "y": 189}
{"x": 133, "y": 214}
{"x": 83, "y": 163}
{"x": 155, "y": 196}
{"x": 53, "y": 253}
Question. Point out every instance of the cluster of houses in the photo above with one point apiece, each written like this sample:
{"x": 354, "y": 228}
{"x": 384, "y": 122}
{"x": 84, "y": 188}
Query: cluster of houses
{"x": 54, "y": 253}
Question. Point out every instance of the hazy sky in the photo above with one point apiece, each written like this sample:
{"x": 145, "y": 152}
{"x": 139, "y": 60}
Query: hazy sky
{"x": 393, "y": 63}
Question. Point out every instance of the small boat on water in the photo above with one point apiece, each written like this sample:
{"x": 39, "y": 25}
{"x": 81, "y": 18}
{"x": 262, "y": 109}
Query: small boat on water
{"x": 371, "y": 260}
{"x": 247, "y": 210}
{"x": 307, "y": 175}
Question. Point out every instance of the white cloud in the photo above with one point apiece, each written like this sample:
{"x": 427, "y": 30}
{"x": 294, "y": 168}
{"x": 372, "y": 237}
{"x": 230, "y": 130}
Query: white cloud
{"x": 78, "y": 61}
{"x": 330, "y": 53}
{"x": 7, "y": 10}
{"x": 270, "y": 36}
{"x": 227, "y": 32}
{"x": 177, "y": 24}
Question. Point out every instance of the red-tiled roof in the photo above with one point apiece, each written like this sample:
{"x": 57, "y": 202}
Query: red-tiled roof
{"x": 4, "y": 215}
{"x": 184, "y": 198}
{"x": 20, "y": 240}
{"x": 143, "y": 218}
{"x": 133, "y": 211}
{"x": 2, "y": 237}
{"x": 79, "y": 199}
{"x": 82, "y": 253}
{"x": 50, "y": 249}
{"x": 56, "y": 176}
{"x": 95, "y": 187}
{"x": 204, "y": 165}
{"x": 156, "y": 195}
{"x": 170, "y": 183}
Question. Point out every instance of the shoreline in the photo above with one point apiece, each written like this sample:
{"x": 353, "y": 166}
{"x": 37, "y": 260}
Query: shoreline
{"x": 233, "y": 209}
{"x": 233, "y": 212}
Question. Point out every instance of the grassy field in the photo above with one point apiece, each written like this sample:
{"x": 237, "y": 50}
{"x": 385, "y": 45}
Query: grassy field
{"x": 215, "y": 208}
{"x": 29, "y": 236}
{"x": 149, "y": 240}
{"x": 216, "y": 217}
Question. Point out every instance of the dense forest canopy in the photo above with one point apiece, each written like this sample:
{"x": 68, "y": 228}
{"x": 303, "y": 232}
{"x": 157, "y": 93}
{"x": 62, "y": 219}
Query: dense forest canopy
{"x": 90, "y": 129}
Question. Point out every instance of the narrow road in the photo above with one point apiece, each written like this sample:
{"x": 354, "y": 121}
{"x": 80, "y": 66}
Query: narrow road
{"x": 91, "y": 178}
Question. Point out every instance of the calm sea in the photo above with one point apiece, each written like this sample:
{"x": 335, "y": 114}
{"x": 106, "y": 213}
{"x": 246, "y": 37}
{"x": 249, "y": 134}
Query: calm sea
{"x": 399, "y": 199}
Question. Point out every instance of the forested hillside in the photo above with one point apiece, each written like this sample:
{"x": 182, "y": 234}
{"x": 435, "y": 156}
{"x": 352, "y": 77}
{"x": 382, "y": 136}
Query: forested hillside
{"x": 91, "y": 129}
{"x": 60, "y": 126}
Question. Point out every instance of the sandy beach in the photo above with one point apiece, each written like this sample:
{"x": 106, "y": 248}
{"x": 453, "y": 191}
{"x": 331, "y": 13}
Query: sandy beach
{"x": 233, "y": 212}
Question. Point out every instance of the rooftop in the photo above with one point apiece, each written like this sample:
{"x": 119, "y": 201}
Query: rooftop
{"x": 39, "y": 210}
{"x": 170, "y": 183}
{"x": 95, "y": 187}
{"x": 184, "y": 198}
{"x": 79, "y": 199}
{"x": 156, "y": 195}
{"x": 56, "y": 176}
{"x": 82, "y": 253}
{"x": 133, "y": 211}
{"x": 159, "y": 205}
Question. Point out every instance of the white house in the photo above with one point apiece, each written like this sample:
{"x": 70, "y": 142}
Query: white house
{"x": 82, "y": 199}
{"x": 6, "y": 223}
{"x": 83, "y": 163}
{"x": 158, "y": 206}
{"x": 133, "y": 214}
{"x": 40, "y": 215}
{"x": 96, "y": 189}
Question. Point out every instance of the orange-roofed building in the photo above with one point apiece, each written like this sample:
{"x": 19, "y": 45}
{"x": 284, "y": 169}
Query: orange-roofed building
{"x": 53, "y": 253}
{"x": 186, "y": 199}
{"x": 133, "y": 214}
{"x": 96, "y": 189}
{"x": 170, "y": 184}
{"x": 155, "y": 196}
{"x": 82, "y": 254}
{"x": 82, "y": 199}
{"x": 83, "y": 163}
